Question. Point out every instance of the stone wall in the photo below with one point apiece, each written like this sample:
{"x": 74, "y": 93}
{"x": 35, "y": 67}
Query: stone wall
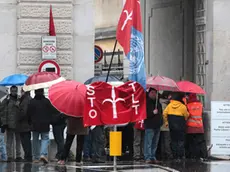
{"x": 221, "y": 51}
{"x": 33, "y": 22}
{"x": 24, "y": 22}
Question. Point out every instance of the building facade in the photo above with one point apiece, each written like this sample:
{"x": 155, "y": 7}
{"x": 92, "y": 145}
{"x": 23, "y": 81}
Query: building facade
{"x": 24, "y": 22}
{"x": 189, "y": 40}
{"x": 107, "y": 14}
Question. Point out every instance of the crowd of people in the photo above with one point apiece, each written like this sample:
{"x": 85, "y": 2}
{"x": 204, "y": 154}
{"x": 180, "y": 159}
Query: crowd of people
{"x": 173, "y": 125}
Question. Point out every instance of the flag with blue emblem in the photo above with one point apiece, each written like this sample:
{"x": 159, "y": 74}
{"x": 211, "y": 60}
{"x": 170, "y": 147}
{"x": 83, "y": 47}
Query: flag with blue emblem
{"x": 130, "y": 37}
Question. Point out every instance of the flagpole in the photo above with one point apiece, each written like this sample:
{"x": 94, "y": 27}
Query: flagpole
{"x": 107, "y": 78}
{"x": 111, "y": 61}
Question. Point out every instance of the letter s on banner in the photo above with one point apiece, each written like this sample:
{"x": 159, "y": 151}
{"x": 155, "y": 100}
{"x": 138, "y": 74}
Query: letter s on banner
{"x": 90, "y": 90}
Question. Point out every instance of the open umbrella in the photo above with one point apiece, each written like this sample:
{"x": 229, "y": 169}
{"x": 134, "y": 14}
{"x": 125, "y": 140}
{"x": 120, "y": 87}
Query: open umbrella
{"x": 42, "y": 80}
{"x": 16, "y": 79}
{"x": 162, "y": 83}
{"x": 102, "y": 78}
{"x": 68, "y": 97}
{"x": 190, "y": 87}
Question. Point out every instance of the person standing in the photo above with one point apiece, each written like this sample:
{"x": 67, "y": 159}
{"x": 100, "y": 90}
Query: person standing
{"x": 3, "y": 155}
{"x": 138, "y": 145}
{"x": 74, "y": 127}
{"x": 40, "y": 112}
{"x": 175, "y": 116}
{"x": 87, "y": 149}
{"x": 98, "y": 144}
{"x": 164, "y": 142}
{"x": 23, "y": 126}
{"x": 152, "y": 125}
{"x": 9, "y": 120}
{"x": 196, "y": 147}
{"x": 58, "y": 125}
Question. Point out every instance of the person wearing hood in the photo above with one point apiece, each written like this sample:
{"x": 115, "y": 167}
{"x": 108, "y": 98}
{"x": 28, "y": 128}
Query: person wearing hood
{"x": 175, "y": 116}
{"x": 40, "y": 112}
{"x": 152, "y": 125}
{"x": 9, "y": 120}
{"x": 196, "y": 147}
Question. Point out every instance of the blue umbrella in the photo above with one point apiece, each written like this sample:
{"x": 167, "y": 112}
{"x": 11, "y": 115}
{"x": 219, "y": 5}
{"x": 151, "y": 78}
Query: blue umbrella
{"x": 17, "y": 80}
{"x": 102, "y": 78}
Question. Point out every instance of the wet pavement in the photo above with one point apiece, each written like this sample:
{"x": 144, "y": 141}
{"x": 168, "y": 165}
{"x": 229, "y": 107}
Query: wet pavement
{"x": 170, "y": 166}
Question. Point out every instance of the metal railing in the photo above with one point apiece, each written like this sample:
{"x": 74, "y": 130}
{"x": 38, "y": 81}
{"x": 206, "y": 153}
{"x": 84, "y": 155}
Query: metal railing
{"x": 117, "y": 65}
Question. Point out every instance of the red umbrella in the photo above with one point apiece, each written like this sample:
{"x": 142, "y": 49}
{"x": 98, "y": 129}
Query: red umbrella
{"x": 162, "y": 83}
{"x": 68, "y": 97}
{"x": 190, "y": 87}
{"x": 42, "y": 80}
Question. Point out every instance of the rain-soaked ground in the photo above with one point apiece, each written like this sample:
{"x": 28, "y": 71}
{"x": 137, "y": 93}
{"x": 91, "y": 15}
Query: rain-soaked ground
{"x": 186, "y": 166}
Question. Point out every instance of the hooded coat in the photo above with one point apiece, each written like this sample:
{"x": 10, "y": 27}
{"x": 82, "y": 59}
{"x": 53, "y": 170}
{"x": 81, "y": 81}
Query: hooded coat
{"x": 40, "y": 113}
{"x": 175, "y": 115}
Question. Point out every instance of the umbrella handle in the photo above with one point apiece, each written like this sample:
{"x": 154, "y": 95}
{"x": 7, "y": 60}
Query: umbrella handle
{"x": 156, "y": 100}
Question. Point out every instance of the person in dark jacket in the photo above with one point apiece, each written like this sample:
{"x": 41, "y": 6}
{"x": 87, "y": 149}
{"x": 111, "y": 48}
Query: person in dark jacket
{"x": 40, "y": 112}
{"x": 58, "y": 125}
{"x": 23, "y": 126}
{"x": 152, "y": 124}
{"x": 9, "y": 120}
{"x": 175, "y": 116}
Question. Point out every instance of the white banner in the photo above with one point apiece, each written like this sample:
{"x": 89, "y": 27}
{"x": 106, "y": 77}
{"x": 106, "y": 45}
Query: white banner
{"x": 220, "y": 128}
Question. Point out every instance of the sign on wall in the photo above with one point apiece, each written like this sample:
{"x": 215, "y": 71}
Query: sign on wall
{"x": 49, "y": 48}
{"x": 98, "y": 54}
{"x": 49, "y": 66}
{"x": 220, "y": 128}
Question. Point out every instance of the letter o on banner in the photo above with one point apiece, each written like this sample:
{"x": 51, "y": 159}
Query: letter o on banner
{"x": 92, "y": 113}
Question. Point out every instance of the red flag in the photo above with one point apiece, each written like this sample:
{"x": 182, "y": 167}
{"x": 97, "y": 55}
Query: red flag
{"x": 51, "y": 26}
{"x": 130, "y": 37}
{"x": 109, "y": 105}
{"x": 130, "y": 18}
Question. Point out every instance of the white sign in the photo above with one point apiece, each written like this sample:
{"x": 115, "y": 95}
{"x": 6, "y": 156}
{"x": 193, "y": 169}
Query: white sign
{"x": 220, "y": 128}
{"x": 49, "y": 48}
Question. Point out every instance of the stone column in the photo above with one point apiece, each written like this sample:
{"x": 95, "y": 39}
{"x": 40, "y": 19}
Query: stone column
{"x": 8, "y": 31}
{"x": 83, "y": 36}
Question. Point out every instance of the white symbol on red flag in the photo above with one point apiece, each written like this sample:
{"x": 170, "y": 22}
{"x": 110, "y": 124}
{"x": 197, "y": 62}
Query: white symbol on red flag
{"x": 128, "y": 17}
{"x": 114, "y": 102}
{"x": 126, "y": 104}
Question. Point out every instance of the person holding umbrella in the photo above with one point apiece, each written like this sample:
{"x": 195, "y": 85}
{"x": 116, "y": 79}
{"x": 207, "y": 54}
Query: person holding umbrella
{"x": 195, "y": 143}
{"x": 74, "y": 127}
{"x": 40, "y": 113}
{"x": 152, "y": 125}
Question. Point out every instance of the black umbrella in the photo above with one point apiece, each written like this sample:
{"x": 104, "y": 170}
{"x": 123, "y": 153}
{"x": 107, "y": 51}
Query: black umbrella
{"x": 102, "y": 78}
